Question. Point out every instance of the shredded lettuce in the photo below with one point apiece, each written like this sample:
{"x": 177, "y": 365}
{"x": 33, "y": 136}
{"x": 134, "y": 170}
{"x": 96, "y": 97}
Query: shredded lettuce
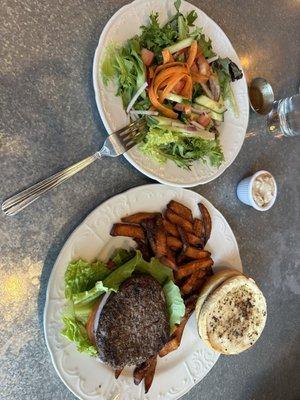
{"x": 81, "y": 275}
{"x": 175, "y": 304}
{"x": 162, "y": 144}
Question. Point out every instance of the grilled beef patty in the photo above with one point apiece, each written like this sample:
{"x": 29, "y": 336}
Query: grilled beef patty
{"x": 133, "y": 324}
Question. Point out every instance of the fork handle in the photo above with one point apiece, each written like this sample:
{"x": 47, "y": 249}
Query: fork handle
{"x": 21, "y": 200}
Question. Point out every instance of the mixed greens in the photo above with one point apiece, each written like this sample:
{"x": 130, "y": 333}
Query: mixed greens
{"x": 86, "y": 282}
{"x": 171, "y": 74}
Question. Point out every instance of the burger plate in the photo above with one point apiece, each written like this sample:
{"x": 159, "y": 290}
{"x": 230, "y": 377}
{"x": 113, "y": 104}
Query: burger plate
{"x": 176, "y": 373}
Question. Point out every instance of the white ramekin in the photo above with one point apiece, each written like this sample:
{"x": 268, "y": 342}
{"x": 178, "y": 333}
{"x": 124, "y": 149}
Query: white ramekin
{"x": 244, "y": 191}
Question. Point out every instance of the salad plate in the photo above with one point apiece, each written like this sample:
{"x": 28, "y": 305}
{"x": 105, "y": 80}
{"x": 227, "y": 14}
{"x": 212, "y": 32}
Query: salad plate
{"x": 180, "y": 370}
{"x": 232, "y": 130}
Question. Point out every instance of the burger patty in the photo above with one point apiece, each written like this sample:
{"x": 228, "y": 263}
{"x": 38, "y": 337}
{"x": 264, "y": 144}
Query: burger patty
{"x": 133, "y": 324}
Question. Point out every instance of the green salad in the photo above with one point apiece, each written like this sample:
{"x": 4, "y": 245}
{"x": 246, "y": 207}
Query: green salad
{"x": 86, "y": 282}
{"x": 171, "y": 74}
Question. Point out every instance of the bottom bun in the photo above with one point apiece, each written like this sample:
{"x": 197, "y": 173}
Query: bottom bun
{"x": 233, "y": 316}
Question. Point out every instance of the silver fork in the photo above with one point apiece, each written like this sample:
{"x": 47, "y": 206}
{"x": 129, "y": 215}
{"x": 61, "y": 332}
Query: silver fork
{"x": 116, "y": 144}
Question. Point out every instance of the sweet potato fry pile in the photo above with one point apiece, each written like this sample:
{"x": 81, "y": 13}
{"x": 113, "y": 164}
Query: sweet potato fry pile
{"x": 178, "y": 240}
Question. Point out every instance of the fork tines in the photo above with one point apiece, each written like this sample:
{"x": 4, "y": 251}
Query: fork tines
{"x": 133, "y": 133}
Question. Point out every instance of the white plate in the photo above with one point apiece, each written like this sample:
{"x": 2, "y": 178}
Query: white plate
{"x": 122, "y": 26}
{"x": 176, "y": 373}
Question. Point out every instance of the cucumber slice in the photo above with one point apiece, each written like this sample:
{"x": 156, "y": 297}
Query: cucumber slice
{"x": 213, "y": 114}
{"x": 165, "y": 121}
{"x": 177, "y": 98}
{"x": 211, "y": 104}
{"x": 180, "y": 45}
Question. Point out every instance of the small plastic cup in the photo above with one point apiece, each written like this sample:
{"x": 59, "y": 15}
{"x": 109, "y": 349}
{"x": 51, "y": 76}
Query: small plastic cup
{"x": 245, "y": 195}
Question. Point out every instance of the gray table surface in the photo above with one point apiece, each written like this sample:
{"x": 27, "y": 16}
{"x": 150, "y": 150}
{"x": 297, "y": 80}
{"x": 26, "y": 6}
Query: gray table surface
{"x": 48, "y": 119}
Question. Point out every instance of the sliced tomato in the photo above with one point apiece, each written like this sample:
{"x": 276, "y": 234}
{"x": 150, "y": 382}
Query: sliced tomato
{"x": 90, "y": 323}
{"x": 178, "y": 87}
{"x": 204, "y": 119}
{"x": 147, "y": 56}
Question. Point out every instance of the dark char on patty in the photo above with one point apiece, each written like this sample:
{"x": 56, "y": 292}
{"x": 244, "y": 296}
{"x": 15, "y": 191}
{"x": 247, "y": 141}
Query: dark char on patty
{"x": 133, "y": 324}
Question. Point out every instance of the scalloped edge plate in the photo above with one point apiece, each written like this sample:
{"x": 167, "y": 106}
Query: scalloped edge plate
{"x": 176, "y": 373}
{"x": 233, "y": 129}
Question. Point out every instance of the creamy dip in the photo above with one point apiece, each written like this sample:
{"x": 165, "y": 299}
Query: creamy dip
{"x": 263, "y": 190}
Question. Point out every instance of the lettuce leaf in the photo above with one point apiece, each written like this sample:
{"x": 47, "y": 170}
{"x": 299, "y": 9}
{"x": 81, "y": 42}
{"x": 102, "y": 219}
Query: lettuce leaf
{"x": 175, "y": 304}
{"x": 228, "y": 72}
{"x": 120, "y": 256}
{"x": 75, "y": 331}
{"x": 126, "y": 66}
{"x": 156, "y": 269}
{"x": 119, "y": 275}
{"x": 161, "y": 144}
{"x": 89, "y": 295}
{"x": 82, "y": 311}
{"x": 81, "y": 275}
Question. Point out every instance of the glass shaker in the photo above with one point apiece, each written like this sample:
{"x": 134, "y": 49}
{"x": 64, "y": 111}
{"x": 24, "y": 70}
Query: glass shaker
{"x": 284, "y": 118}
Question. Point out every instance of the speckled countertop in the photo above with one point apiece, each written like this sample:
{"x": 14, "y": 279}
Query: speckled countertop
{"x": 48, "y": 119}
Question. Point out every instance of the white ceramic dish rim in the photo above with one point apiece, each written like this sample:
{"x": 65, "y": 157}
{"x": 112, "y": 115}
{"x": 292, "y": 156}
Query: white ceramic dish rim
{"x": 221, "y": 169}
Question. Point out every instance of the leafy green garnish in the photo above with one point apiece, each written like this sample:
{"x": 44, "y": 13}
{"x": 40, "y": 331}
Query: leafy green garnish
{"x": 155, "y": 37}
{"x": 81, "y": 275}
{"x": 162, "y": 144}
{"x": 175, "y": 304}
{"x": 206, "y": 46}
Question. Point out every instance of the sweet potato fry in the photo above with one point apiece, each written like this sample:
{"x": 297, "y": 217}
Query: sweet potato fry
{"x": 160, "y": 239}
{"x": 193, "y": 240}
{"x": 184, "y": 240}
{"x": 176, "y": 336}
{"x": 192, "y": 252}
{"x": 128, "y": 230}
{"x": 206, "y": 221}
{"x": 118, "y": 372}
{"x": 144, "y": 247}
{"x": 174, "y": 243}
{"x": 191, "y": 283}
{"x": 178, "y": 220}
{"x": 170, "y": 346}
{"x": 150, "y": 373}
{"x": 140, "y": 372}
{"x": 139, "y": 217}
{"x": 171, "y": 228}
{"x": 181, "y": 210}
{"x": 193, "y": 266}
{"x": 149, "y": 226}
{"x": 169, "y": 260}
{"x": 198, "y": 227}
